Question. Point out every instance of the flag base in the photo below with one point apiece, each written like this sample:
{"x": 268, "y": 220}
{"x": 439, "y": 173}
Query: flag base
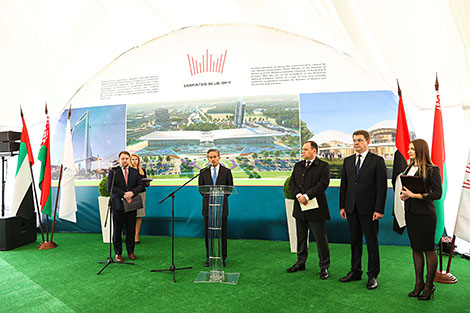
{"x": 445, "y": 278}
{"x": 47, "y": 245}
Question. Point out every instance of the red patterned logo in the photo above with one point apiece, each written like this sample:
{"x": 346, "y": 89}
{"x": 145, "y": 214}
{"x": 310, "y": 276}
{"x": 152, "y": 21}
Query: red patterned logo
{"x": 207, "y": 63}
{"x": 466, "y": 183}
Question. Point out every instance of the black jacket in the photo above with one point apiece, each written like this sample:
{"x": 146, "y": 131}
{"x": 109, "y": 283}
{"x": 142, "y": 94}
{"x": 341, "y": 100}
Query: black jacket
{"x": 367, "y": 190}
{"x": 313, "y": 181}
{"x": 134, "y": 184}
{"x": 224, "y": 178}
{"x": 433, "y": 189}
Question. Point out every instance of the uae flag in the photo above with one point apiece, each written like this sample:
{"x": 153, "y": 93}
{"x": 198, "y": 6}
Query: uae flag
{"x": 400, "y": 162}
{"x": 438, "y": 157}
{"x": 462, "y": 225}
{"x": 22, "y": 204}
{"x": 45, "y": 175}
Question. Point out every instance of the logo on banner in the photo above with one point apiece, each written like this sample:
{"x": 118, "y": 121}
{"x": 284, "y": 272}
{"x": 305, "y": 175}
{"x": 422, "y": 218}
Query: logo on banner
{"x": 207, "y": 63}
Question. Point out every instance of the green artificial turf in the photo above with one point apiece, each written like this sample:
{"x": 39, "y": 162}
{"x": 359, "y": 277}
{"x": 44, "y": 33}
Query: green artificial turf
{"x": 64, "y": 280}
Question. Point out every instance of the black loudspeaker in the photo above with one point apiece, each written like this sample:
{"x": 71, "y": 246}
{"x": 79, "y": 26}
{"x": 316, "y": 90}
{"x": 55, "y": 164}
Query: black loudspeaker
{"x": 16, "y": 232}
{"x": 10, "y": 136}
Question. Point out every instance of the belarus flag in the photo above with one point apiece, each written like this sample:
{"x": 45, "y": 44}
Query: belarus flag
{"x": 438, "y": 158}
{"x": 45, "y": 175}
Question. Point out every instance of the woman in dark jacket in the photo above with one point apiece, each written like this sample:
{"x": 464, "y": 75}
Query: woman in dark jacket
{"x": 135, "y": 163}
{"x": 420, "y": 215}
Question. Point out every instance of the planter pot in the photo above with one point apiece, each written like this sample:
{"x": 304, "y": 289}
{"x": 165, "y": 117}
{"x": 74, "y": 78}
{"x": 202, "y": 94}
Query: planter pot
{"x": 291, "y": 225}
{"x": 103, "y": 204}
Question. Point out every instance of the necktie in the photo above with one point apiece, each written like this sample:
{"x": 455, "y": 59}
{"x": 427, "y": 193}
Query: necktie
{"x": 214, "y": 176}
{"x": 358, "y": 164}
{"x": 126, "y": 175}
{"x": 307, "y": 164}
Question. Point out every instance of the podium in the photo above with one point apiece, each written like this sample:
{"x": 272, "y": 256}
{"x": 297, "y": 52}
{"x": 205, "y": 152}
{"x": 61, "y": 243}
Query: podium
{"x": 216, "y": 272}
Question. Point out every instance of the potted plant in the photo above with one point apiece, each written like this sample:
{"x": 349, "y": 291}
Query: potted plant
{"x": 292, "y": 229}
{"x": 103, "y": 201}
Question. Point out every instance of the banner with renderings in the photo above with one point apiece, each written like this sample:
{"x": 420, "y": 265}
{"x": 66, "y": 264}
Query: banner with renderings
{"x": 98, "y": 135}
{"x": 230, "y": 86}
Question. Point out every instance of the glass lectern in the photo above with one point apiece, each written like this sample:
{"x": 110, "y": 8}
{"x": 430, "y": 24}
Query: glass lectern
{"x": 216, "y": 272}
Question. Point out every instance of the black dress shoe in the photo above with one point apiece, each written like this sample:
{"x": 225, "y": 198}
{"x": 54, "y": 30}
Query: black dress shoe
{"x": 427, "y": 294}
{"x": 324, "y": 273}
{"x": 296, "y": 267}
{"x": 351, "y": 276}
{"x": 206, "y": 264}
{"x": 416, "y": 292}
{"x": 372, "y": 283}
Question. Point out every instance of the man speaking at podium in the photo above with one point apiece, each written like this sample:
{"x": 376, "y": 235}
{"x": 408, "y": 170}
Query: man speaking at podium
{"x": 215, "y": 174}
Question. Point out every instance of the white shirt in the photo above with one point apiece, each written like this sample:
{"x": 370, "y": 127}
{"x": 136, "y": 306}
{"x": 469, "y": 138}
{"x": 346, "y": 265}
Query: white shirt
{"x": 216, "y": 170}
{"x": 305, "y": 195}
{"x": 363, "y": 157}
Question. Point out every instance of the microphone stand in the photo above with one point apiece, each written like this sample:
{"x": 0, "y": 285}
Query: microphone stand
{"x": 172, "y": 268}
{"x": 108, "y": 214}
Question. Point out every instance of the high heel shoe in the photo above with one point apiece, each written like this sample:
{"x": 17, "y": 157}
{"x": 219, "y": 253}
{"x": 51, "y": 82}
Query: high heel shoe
{"x": 416, "y": 292}
{"x": 429, "y": 296}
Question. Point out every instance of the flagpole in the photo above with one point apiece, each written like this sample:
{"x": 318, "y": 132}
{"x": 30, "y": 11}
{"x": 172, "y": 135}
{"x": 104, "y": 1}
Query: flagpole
{"x": 34, "y": 191}
{"x": 51, "y": 244}
{"x": 441, "y": 276}
{"x": 56, "y": 203}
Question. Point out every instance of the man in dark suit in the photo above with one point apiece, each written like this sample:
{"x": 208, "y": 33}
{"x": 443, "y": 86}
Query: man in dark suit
{"x": 362, "y": 203}
{"x": 127, "y": 184}
{"x": 308, "y": 182}
{"x": 216, "y": 174}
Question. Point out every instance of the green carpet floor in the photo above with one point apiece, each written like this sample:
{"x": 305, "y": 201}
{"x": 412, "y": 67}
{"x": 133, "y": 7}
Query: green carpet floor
{"x": 64, "y": 280}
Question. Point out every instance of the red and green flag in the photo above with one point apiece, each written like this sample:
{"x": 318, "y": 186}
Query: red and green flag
{"x": 400, "y": 162}
{"x": 45, "y": 175}
{"x": 438, "y": 157}
{"x": 23, "y": 192}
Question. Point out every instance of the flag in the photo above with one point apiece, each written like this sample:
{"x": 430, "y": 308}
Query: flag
{"x": 45, "y": 175}
{"x": 68, "y": 201}
{"x": 462, "y": 225}
{"x": 22, "y": 204}
{"x": 438, "y": 157}
{"x": 400, "y": 162}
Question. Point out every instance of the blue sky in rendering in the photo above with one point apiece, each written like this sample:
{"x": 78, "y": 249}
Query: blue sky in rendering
{"x": 347, "y": 111}
{"x": 107, "y": 126}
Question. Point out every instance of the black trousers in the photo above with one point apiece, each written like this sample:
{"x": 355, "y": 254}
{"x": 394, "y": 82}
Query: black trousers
{"x": 318, "y": 229}
{"x": 121, "y": 220}
{"x": 360, "y": 225}
{"x": 224, "y": 236}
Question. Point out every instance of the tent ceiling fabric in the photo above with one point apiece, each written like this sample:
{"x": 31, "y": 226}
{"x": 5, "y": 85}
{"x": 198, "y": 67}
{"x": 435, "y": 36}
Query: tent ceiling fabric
{"x": 48, "y": 49}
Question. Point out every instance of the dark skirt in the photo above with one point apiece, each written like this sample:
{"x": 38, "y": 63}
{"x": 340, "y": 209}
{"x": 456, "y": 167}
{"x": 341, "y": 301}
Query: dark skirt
{"x": 421, "y": 231}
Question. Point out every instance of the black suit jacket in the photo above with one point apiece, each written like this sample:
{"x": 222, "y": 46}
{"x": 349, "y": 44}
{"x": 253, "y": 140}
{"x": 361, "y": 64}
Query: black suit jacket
{"x": 313, "y": 181}
{"x": 367, "y": 190}
{"x": 134, "y": 184}
{"x": 224, "y": 178}
{"x": 433, "y": 189}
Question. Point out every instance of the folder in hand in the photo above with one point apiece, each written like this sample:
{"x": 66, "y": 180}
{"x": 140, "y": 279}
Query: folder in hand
{"x": 415, "y": 184}
{"x": 311, "y": 204}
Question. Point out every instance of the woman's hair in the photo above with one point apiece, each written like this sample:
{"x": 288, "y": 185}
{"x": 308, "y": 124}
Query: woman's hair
{"x": 422, "y": 158}
{"x": 139, "y": 164}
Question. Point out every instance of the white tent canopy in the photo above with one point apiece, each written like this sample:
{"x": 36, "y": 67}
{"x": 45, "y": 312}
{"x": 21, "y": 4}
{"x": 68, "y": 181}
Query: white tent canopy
{"x": 50, "y": 48}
